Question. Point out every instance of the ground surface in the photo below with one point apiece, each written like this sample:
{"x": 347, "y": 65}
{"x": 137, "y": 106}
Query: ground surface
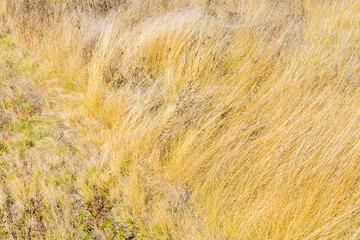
{"x": 41, "y": 193}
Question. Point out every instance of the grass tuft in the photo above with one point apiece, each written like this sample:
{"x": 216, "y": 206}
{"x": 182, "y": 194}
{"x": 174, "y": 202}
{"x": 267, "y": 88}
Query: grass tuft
{"x": 179, "y": 119}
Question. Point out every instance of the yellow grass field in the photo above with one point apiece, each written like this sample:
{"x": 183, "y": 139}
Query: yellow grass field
{"x": 179, "y": 119}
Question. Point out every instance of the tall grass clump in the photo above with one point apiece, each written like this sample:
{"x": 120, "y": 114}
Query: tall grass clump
{"x": 213, "y": 119}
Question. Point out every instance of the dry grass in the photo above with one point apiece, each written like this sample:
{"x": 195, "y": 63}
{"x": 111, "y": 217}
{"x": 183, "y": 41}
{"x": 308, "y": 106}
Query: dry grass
{"x": 181, "y": 119}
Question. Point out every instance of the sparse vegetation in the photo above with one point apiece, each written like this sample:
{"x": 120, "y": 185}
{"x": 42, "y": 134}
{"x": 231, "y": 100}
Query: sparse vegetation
{"x": 179, "y": 119}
